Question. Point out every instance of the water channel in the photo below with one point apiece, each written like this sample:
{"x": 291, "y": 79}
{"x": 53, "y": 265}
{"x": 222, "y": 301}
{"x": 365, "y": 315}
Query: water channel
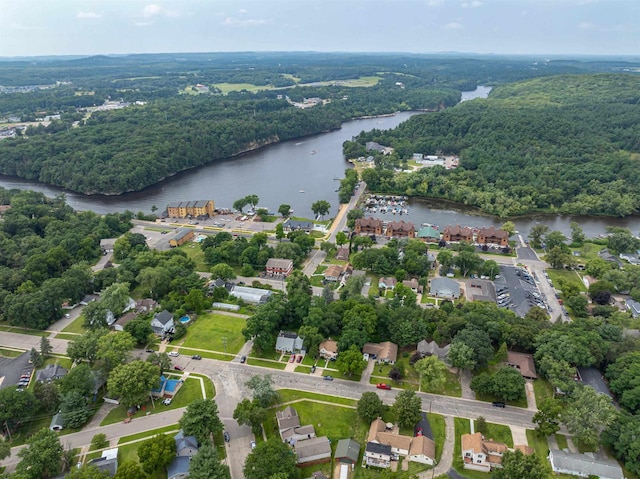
{"x": 298, "y": 173}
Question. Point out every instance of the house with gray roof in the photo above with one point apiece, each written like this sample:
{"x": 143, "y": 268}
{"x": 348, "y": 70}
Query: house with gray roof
{"x": 593, "y": 377}
{"x": 633, "y": 307}
{"x": 347, "y": 451}
{"x": 162, "y": 323}
{"x": 444, "y": 288}
{"x": 108, "y": 462}
{"x": 298, "y": 225}
{"x": 431, "y": 348}
{"x": 185, "y": 445}
{"x": 179, "y": 468}
{"x": 584, "y": 465}
{"x": 289, "y": 342}
{"x": 377, "y": 455}
{"x": 50, "y": 373}
{"x": 313, "y": 451}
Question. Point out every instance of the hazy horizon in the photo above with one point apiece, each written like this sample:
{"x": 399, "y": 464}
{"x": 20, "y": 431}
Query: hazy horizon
{"x": 472, "y": 27}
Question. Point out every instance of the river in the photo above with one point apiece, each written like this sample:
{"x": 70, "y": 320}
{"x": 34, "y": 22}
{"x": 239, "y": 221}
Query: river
{"x": 298, "y": 173}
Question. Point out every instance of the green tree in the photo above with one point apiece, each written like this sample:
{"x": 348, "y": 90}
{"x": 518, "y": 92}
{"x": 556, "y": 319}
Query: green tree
{"x": 341, "y": 238}
{"x": 252, "y": 200}
{"x": 5, "y": 449}
{"x": 536, "y": 233}
{"x": 239, "y": 204}
{"x": 162, "y": 360}
{"x": 130, "y": 470}
{"x": 201, "y": 420}
{"x": 262, "y": 390}
{"x": 223, "y": 271}
{"x": 432, "y": 371}
{"x": 509, "y": 227}
{"x": 624, "y": 380}
{"x": 370, "y": 406}
{"x": 577, "y": 235}
{"x": 157, "y": 453}
{"x": 114, "y": 348}
{"x": 99, "y": 441}
{"x": 48, "y": 395}
{"x": 250, "y": 413}
{"x": 481, "y": 425}
{"x": 445, "y": 260}
{"x": 78, "y": 379}
{"x": 270, "y": 458}
{"x": 622, "y": 436}
{"x": 139, "y": 329}
{"x": 74, "y": 409}
{"x": 508, "y": 384}
{"x": 406, "y": 408}
{"x": 133, "y": 382}
{"x": 556, "y": 239}
{"x": 41, "y": 456}
{"x": 85, "y": 347}
{"x": 320, "y": 207}
{"x": 284, "y": 209}
{"x": 586, "y": 415}
{"x": 516, "y": 464}
{"x": 350, "y": 362}
{"x": 36, "y": 358}
{"x": 88, "y": 471}
{"x": 461, "y": 356}
{"x": 557, "y": 258}
{"x": 479, "y": 341}
{"x": 206, "y": 465}
{"x": 45, "y": 347}
{"x": 280, "y": 232}
{"x": 16, "y": 406}
{"x": 547, "y": 418}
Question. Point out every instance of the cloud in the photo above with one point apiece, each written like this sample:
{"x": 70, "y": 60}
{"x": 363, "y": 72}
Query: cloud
{"x": 586, "y": 26}
{"x": 151, "y": 10}
{"x": 473, "y": 4}
{"x": 250, "y": 22}
{"x": 453, "y": 26}
{"x": 242, "y": 10}
{"x": 88, "y": 15}
{"x": 143, "y": 24}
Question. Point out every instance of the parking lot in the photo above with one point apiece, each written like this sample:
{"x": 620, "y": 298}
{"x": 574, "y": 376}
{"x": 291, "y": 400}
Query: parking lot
{"x": 516, "y": 289}
{"x": 11, "y": 370}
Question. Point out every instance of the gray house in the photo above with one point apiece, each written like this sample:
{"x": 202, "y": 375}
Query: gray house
{"x": 289, "y": 342}
{"x": 314, "y": 450}
{"x": 347, "y": 451}
{"x": 445, "y": 288}
{"x": 584, "y": 465}
{"x": 179, "y": 468}
{"x": 185, "y": 445}
{"x": 108, "y": 462}
{"x": 162, "y": 323}
{"x": 432, "y": 349}
{"x": 51, "y": 372}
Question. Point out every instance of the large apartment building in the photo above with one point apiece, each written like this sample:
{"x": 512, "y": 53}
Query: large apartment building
{"x": 194, "y": 209}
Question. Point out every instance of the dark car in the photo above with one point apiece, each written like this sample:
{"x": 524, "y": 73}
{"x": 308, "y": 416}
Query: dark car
{"x": 227, "y": 438}
{"x": 243, "y": 359}
{"x": 149, "y": 351}
{"x": 327, "y": 378}
{"x": 178, "y": 368}
{"x": 313, "y": 369}
{"x": 498, "y": 404}
{"x": 196, "y": 356}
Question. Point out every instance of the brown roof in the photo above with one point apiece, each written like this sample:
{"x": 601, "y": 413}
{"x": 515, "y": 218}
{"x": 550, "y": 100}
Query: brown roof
{"x": 377, "y": 425}
{"x": 369, "y": 222}
{"x": 334, "y": 270}
{"x": 329, "y": 345}
{"x": 401, "y": 226}
{"x": 472, "y": 442}
{"x": 279, "y": 263}
{"x": 423, "y": 445}
{"x": 126, "y": 318}
{"x": 394, "y": 440}
{"x": 342, "y": 254}
{"x": 494, "y": 447}
{"x": 458, "y": 230}
{"x": 526, "y": 450}
{"x": 524, "y": 363}
{"x": 491, "y": 231}
{"x": 386, "y": 350}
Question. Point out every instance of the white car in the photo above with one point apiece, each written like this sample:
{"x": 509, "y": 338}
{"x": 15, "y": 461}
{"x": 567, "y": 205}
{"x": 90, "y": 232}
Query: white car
{"x": 174, "y": 354}
{"x": 253, "y": 444}
{"x": 166, "y": 402}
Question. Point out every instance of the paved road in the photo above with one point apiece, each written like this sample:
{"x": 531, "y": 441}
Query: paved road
{"x": 26, "y": 342}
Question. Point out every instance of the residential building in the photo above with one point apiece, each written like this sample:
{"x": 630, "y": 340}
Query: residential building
{"x": 386, "y": 352}
{"x": 122, "y": 321}
{"x": 377, "y": 455}
{"x": 179, "y": 468}
{"x": 400, "y": 229}
{"x": 633, "y": 307}
{"x": 347, "y": 452}
{"x": 492, "y": 235}
{"x": 298, "y": 225}
{"x": 420, "y": 448}
{"x": 162, "y": 323}
{"x": 446, "y": 288}
{"x": 373, "y": 146}
{"x": 584, "y": 465}
{"x": 182, "y": 236}
{"x": 333, "y": 273}
{"x": 51, "y": 372}
{"x": 251, "y": 295}
{"x": 593, "y": 377}
{"x": 289, "y": 342}
{"x": 108, "y": 462}
{"x": 387, "y": 283}
{"x": 196, "y": 209}
{"x": 315, "y": 450}
{"x": 328, "y": 349}
{"x": 279, "y": 266}
{"x": 413, "y": 285}
{"x": 428, "y": 234}
{"x": 432, "y": 349}
{"x": 368, "y": 226}
{"x": 523, "y": 363}
{"x": 423, "y": 450}
{"x": 457, "y": 234}
{"x": 107, "y": 244}
{"x": 185, "y": 445}
{"x": 146, "y": 305}
{"x": 479, "y": 454}
{"x": 342, "y": 254}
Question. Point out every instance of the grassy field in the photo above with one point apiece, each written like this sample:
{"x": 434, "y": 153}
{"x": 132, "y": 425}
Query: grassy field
{"x": 30, "y": 332}
{"x": 461, "y": 426}
{"x": 438, "y": 429}
{"x": 153, "y": 432}
{"x": 542, "y": 390}
{"x": 77, "y": 326}
{"x": 194, "y": 252}
{"x": 207, "y": 354}
{"x": 287, "y": 395}
{"x": 266, "y": 364}
{"x": 451, "y": 387}
{"x": 561, "y": 439}
{"x": 130, "y": 453}
{"x": 210, "y": 330}
{"x": 569, "y": 277}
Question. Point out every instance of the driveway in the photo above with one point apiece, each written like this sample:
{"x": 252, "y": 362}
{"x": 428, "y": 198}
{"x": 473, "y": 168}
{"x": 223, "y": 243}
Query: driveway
{"x": 519, "y": 435}
{"x": 465, "y": 384}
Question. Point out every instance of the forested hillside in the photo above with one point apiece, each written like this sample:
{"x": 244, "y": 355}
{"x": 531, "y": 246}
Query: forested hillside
{"x": 568, "y": 144}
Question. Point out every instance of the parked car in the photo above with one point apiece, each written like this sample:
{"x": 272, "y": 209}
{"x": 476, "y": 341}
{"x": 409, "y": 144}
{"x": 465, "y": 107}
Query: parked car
{"x": 253, "y": 444}
{"x": 498, "y": 404}
{"x": 149, "y": 351}
{"x": 227, "y": 438}
{"x": 383, "y": 386}
{"x": 177, "y": 367}
{"x": 292, "y": 358}
{"x": 243, "y": 359}
{"x": 196, "y": 356}
{"x": 67, "y": 315}
{"x": 327, "y": 378}
{"x": 313, "y": 369}
{"x": 174, "y": 354}
{"x": 299, "y": 359}
{"x": 166, "y": 402}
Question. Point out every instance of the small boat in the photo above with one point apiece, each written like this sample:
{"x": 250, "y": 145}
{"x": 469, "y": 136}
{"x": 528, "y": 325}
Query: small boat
{"x": 313, "y": 152}
{"x": 301, "y": 191}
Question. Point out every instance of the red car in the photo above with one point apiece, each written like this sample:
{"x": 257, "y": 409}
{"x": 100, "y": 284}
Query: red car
{"x": 299, "y": 359}
{"x": 178, "y": 368}
{"x": 383, "y": 386}
{"x": 292, "y": 358}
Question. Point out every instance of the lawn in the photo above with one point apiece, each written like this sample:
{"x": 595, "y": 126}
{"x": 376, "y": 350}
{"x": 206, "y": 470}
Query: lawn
{"x": 561, "y": 439}
{"x": 77, "y": 326}
{"x": 539, "y": 444}
{"x": 461, "y": 426}
{"x": 145, "y": 434}
{"x": 130, "y": 453}
{"x": 10, "y": 353}
{"x": 210, "y": 331}
{"x": 451, "y": 386}
{"x": 542, "y": 390}
{"x": 569, "y": 277}
{"x": 207, "y": 354}
{"x": 19, "y": 330}
{"x": 438, "y": 429}
{"x": 189, "y": 392}
{"x": 266, "y": 364}
{"x": 499, "y": 433}
{"x": 288, "y": 395}
{"x": 194, "y": 252}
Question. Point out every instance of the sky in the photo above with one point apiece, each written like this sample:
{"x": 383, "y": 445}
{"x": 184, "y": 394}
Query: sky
{"x": 91, "y": 27}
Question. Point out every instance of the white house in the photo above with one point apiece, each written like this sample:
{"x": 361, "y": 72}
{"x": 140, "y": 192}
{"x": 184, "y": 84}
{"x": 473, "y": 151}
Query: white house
{"x": 423, "y": 450}
{"x": 162, "y": 323}
{"x": 584, "y": 465}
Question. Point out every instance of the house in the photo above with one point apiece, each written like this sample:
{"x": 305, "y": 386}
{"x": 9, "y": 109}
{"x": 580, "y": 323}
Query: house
{"x": 333, "y": 273}
{"x": 198, "y": 209}
{"x": 377, "y": 455}
{"x": 296, "y": 434}
{"x": 179, "y": 468}
{"x": 373, "y": 146}
{"x": 432, "y": 349}
{"x": 57, "y": 423}
{"x": 182, "y": 236}
{"x": 279, "y": 266}
{"x": 584, "y": 465}
{"x": 50, "y": 373}
{"x": 387, "y": 283}
{"x": 457, "y": 234}
{"x": 479, "y": 454}
{"x": 89, "y": 298}
{"x": 481, "y": 290}
{"x": 108, "y": 462}
{"x": 313, "y": 451}
{"x": 185, "y": 445}
{"x": 298, "y": 225}
{"x": 328, "y": 349}
{"x": 413, "y": 285}
{"x": 593, "y": 377}
{"x": 423, "y": 450}
{"x": 428, "y": 234}
{"x": 526, "y": 450}
{"x": 368, "y": 226}
{"x": 444, "y": 288}
{"x": 166, "y": 387}
{"x": 493, "y": 236}
{"x": 289, "y": 342}
{"x": 287, "y": 418}
{"x": 107, "y": 244}
{"x": 386, "y": 352}
{"x": 388, "y": 434}
{"x": 523, "y": 363}
{"x": 347, "y": 452}
{"x": 162, "y": 323}
{"x": 122, "y": 321}
{"x": 146, "y": 305}
{"x": 633, "y": 307}
{"x": 400, "y": 229}
{"x": 342, "y": 254}
{"x": 250, "y": 295}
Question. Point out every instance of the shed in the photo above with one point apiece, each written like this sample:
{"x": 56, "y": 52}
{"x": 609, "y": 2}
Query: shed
{"x": 57, "y": 423}
{"x": 347, "y": 451}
